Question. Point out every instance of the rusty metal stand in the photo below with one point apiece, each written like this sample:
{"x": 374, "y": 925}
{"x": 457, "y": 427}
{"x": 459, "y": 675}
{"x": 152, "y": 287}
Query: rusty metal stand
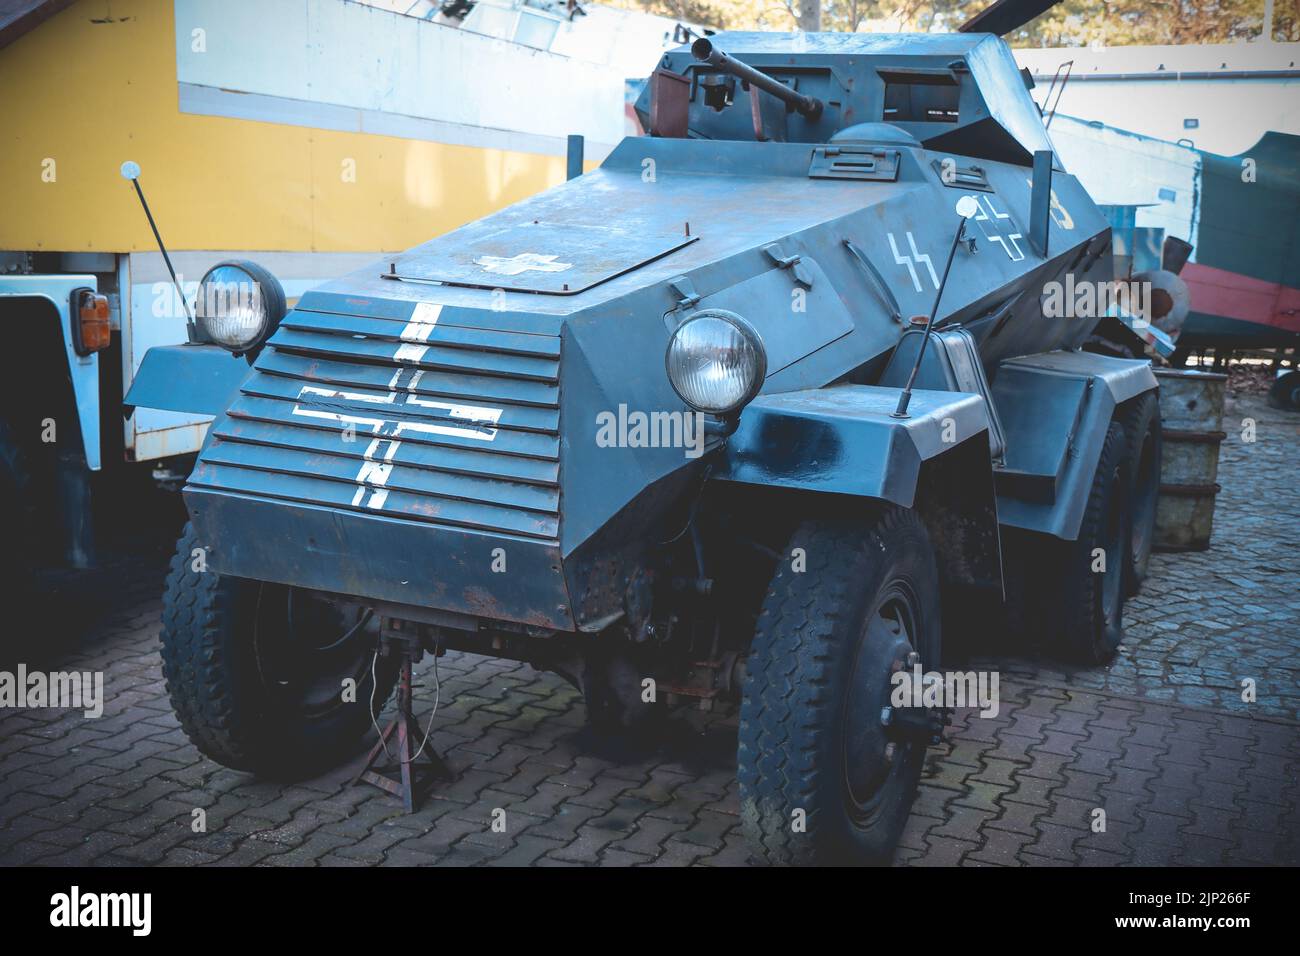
{"x": 399, "y": 774}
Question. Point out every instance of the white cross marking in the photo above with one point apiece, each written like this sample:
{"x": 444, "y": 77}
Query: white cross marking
{"x": 396, "y": 380}
{"x": 417, "y": 331}
{"x": 991, "y": 215}
{"x": 524, "y": 262}
{"x": 371, "y": 473}
{"x": 373, "y": 450}
{"x": 485, "y": 418}
{"x": 377, "y": 497}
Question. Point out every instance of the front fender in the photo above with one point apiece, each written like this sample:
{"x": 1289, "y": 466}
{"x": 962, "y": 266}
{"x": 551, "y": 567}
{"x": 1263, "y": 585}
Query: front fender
{"x": 83, "y": 370}
{"x": 844, "y": 440}
{"x": 193, "y": 379}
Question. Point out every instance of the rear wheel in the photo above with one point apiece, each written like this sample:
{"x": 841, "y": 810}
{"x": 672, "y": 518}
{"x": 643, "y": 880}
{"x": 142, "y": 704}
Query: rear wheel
{"x": 1285, "y": 393}
{"x": 259, "y": 673}
{"x": 1087, "y": 614}
{"x": 825, "y": 776}
{"x": 1141, "y": 420}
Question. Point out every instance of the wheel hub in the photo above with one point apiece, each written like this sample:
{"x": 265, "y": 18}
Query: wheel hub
{"x": 872, "y": 747}
{"x": 305, "y": 648}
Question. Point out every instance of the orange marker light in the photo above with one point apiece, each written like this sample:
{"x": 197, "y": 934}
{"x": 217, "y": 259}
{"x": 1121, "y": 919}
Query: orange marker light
{"x": 96, "y": 332}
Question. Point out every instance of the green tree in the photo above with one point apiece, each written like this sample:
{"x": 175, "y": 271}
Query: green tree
{"x": 1071, "y": 23}
{"x": 1127, "y": 22}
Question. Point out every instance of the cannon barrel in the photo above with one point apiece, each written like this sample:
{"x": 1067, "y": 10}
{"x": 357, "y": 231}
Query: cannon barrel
{"x": 704, "y": 50}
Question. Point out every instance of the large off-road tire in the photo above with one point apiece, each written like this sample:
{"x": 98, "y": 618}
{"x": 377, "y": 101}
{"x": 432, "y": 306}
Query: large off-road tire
{"x": 823, "y": 780}
{"x": 1285, "y": 392}
{"x": 1085, "y": 612}
{"x": 1143, "y": 449}
{"x": 256, "y": 671}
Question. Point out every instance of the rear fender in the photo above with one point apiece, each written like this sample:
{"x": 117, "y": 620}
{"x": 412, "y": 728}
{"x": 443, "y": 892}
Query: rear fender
{"x": 1055, "y": 409}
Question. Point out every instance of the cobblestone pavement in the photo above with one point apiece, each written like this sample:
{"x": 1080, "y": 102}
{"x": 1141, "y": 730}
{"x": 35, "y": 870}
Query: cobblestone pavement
{"x": 1205, "y": 621}
{"x": 1161, "y": 741}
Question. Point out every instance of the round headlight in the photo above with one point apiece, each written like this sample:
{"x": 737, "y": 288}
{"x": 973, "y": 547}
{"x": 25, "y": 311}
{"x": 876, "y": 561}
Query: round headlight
{"x": 716, "y": 362}
{"x": 239, "y": 305}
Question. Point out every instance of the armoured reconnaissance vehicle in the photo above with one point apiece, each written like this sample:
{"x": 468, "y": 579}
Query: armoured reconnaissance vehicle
{"x": 767, "y": 407}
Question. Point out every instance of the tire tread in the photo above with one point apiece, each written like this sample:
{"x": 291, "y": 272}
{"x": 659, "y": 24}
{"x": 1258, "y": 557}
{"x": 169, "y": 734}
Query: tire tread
{"x": 789, "y": 691}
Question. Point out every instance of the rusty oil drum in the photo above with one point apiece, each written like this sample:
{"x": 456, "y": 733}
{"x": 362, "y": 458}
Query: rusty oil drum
{"x": 1191, "y": 412}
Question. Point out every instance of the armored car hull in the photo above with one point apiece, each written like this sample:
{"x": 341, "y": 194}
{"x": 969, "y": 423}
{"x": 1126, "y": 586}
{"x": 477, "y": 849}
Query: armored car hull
{"x": 452, "y": 366}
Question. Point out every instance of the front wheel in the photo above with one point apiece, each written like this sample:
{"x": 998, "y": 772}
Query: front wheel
{"x": 826, "y": 777}
{"x": 267, "y": 678}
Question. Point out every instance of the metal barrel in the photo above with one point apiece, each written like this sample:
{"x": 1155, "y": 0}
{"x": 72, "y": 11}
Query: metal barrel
{"x": 704, "y": 50}
{"x": 1191, "y": 410}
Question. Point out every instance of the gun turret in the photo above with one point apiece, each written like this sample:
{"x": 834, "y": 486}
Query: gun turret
{"x": 704, "y": 50}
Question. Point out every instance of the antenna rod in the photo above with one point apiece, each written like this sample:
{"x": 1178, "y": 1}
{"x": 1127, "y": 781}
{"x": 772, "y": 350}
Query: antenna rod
{"x": 905, "y": 399}
{"x": 131, "y": 171}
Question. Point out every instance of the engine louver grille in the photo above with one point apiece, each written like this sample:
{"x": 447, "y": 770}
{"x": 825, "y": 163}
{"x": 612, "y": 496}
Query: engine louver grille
{"x": 434, "y": 417}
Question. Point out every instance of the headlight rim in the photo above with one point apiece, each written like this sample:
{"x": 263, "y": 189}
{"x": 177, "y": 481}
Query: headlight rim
{"x": 274, "y": 304}
{"x": 748, "y": 331}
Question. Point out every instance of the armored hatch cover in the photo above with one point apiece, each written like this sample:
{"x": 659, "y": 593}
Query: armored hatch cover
{"x": 546, "y": 257}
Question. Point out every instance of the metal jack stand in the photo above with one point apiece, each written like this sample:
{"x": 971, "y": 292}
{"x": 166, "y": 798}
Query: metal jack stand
{"x": 398, "y": 773}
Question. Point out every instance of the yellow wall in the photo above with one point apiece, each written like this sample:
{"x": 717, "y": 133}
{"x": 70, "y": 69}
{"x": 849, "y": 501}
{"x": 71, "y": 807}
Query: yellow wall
{"x": 90, "y": 95}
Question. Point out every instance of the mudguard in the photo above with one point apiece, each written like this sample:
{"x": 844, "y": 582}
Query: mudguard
{"x": 195, "y": 379}
{"x": 1055, "y": 409}
{"x": 844, "y": 440}
{"x": 83, "y": 370}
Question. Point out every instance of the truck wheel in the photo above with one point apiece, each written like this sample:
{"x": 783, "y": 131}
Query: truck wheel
{"x": 1285, "y": 392}
{"x": 256, "y": 671}
{"x": 1141, "y": 420}
{"x": 1089, "y": 614}
{"x": 823, "y": 778}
